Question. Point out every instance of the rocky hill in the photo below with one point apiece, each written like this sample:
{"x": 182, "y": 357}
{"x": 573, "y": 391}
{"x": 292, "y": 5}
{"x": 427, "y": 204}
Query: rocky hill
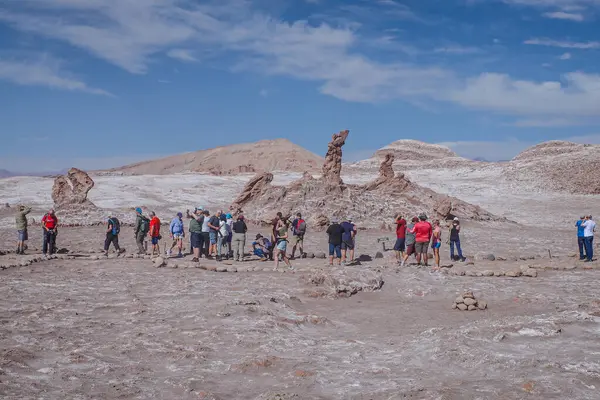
{"x": 265, "y": 155}
{"x": 558, "y": 166}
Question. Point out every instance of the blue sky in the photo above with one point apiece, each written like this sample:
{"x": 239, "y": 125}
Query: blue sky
{"x": 100, "y": 83}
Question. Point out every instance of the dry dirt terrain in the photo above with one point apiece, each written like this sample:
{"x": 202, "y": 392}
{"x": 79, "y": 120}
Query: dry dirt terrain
{"x": 119, "y": 328}
{"x": 85, "y": 326}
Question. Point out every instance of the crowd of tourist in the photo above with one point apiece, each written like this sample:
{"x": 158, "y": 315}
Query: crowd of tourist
{"x": 220, "y": 236}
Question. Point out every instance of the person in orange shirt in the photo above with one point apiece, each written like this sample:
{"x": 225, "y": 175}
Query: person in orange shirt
{"x": 423, "y": 232}
{"x": 155, "y": 233}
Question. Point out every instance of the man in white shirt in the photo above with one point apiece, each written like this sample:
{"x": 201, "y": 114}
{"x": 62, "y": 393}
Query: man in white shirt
{"x": 589, "y": 227}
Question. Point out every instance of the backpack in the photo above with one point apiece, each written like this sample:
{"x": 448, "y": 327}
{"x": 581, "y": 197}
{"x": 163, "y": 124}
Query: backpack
{"x": 145, "y": 225}
{"x": 300, "y": 229}
{"x": 116, "y": 226}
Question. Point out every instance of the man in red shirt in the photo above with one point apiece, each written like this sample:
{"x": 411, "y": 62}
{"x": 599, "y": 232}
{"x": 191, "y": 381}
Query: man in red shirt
{"x": 423, "y": 232}
{"x": 155, "y": 232}
{"x": 50, "y": 225}
{"x": 400, "y": 238}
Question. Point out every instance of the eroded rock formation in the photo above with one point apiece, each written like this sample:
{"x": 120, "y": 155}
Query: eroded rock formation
{"x": 332, "y": 168}
{"x": 321, "y": 200}
{"x": 72, "y": 188}
{"x": 253, "y": 189}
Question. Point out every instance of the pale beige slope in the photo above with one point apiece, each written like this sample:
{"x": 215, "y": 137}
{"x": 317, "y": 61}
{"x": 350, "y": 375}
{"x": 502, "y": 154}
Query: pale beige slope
{"x": 265, "y": 155}
{"x": 558, "y": 166}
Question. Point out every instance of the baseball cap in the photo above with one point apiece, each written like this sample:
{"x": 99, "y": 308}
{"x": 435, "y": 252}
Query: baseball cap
{"x": 138, "y": 210}
{"x": 179, "y": 214}
{"x": 228, "y": 216}
{"x": 455, "y": 218}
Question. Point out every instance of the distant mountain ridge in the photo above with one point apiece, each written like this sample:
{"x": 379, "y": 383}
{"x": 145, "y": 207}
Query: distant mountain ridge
{"x": 265, "y": 155}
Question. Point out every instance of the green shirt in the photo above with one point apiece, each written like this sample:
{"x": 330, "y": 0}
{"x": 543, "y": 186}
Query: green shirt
{"x": 195, "y": 226}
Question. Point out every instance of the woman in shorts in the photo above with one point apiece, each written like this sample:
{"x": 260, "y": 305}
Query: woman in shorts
{"x": 281, "y": 246}
{"x": 436, "y": 242}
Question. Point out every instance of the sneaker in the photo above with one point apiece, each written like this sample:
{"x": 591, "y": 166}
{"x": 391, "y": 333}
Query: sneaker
{"x": 195, "y": 259}
{"x": 168, "y": 253}
{"x": 402, "y": 263}
{"x": 588, "y": 260}
{"x": 463, "y": 259}
{"x": 581, "y": 258}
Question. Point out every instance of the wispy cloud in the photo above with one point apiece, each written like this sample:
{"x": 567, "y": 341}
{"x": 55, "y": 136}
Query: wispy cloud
{"x": 130, "y": 33}
{"x": 182, "y": 55}
{"x": 46, "y": 73}
{"x": 564, "y": 15}
{"x": 456, "y": 49}
{"x": 565, "y": 56}
{"x": 548, "y": 123}
{"x": 563, "y": 44}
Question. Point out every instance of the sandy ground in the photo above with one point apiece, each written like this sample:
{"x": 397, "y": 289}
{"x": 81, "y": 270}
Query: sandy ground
{"x": 122, "y": 329}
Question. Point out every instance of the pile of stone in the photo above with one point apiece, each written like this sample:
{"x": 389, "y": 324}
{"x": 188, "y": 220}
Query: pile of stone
{"x": 468, "y": 302}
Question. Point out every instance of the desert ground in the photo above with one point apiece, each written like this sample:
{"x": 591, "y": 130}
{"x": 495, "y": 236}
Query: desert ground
{"x": 85, "y": 326}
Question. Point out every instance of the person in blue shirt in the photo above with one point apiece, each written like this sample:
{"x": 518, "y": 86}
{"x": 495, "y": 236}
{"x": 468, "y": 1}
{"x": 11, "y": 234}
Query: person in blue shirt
{"x": 177, "y": 234}
{"x": 581, "y": 238}
{"x": 348, "y": 239}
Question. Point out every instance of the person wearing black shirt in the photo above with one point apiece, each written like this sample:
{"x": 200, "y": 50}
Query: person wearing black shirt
{"x": 335, "y": 232}
{"x": 239, "y": 229}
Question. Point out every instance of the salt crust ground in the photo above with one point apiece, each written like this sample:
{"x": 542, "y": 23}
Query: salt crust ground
{"x": 120, "y": 328}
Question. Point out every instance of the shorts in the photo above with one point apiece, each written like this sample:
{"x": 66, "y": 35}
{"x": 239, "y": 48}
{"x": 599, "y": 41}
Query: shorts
{"x": 196, "y": 239}
{"x": 436, "y": 245}
{"x": 421, "y": 247}
{"x": 282, "y": 245}
{"x": 213, "y": 237}
{"x": 400, "y": 244}
{"x": 155, "y": 240}
{"x": 298, "y": 240}
{"x": 335, "y": 248}
{"x": 410, "y": 249}
{"x": 177, "y": 236}
{"x": 347, "y": 245}
{"x": 22, "y": 235}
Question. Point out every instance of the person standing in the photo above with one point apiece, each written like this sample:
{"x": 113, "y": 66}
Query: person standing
{"x": 155, "y": 233}
{"x": 21, "y": 224}
{"x": 142, "y": 226}
{"x": 113, "y": 228}
{"x": 195, "y": 229}
{"x": 281, "y": 247}
{"x": 222, "y": 235}
{"x": 589, "y": 226}
{"x": 400, "y": 245}
{"x": 50, "y": 225}
{"x": 423, "y": 233}
{"x": 455, "y": 240}
{"x": 581, "y": 238}
{"x": 298, "y": 231}
{"x": 436, "y": 242}
{"x": 348, "y": 239}
{"x": 239, "y": 238}
{"x": 335, "y": 232}
{"x": 275, "y": 224}
{"x": 410, "y": 240}
{"x": 177, "y": 234}
{"x": 213, "y": 233}
{"x": 229, "y": 235}
{"x": 206, "y": 234}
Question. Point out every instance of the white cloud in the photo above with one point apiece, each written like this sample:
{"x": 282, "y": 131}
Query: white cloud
{"x": 565, "y": 56}
{"x": 548, "y": 123}
{"x": 579, "y": 96}
{"x": 457, "y": 50}
{"x": 182, "y": 55}
{"x": 43, "y": 73}
{"x": 129, "y": 33}
{"x": 565, "y": 5}
{"x": 564, "y": 44}
{"x": 564, "y": 15}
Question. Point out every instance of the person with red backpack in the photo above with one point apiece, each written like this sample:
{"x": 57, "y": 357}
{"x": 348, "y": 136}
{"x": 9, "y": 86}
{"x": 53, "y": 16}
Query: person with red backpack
{"x": 50, "y": 225}
{"x": 298, "y": 231}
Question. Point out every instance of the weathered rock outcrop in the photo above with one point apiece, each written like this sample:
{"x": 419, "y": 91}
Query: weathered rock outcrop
{"x": 332, "y": 168}
{"x": 72, "y": 188}
{"x": 257, "y": 186}
{"x": 327, "y": 198}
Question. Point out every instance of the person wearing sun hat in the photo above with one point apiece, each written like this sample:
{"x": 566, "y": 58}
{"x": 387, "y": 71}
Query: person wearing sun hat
{"x": 455, "y": 240}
